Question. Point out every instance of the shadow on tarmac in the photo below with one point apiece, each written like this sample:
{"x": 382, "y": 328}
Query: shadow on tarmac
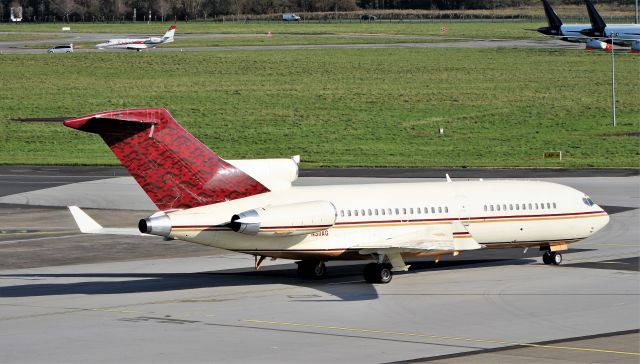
{"x": 344, "y": 280}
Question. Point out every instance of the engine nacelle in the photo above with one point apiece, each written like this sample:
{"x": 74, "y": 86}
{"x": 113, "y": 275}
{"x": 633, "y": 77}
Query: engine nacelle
{"x": 155, "y": 40}
{"x": 284, "y": 220}
{"x": 275, "y": 174}
{"x": 598, "y": 45}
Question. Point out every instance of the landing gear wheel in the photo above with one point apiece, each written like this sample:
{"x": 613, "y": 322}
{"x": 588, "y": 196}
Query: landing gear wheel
{"x": 378, "y": 273}
{"x": 546, "y": 257}
{"x": 311, "y": 269}
{"x": 556, "y": 258}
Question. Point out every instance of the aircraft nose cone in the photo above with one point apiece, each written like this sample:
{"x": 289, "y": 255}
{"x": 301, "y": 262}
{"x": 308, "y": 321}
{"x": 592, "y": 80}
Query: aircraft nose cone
{"x": 601, "y": 221}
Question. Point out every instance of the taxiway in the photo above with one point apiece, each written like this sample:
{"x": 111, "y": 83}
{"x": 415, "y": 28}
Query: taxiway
{"x": 67, "y": 297}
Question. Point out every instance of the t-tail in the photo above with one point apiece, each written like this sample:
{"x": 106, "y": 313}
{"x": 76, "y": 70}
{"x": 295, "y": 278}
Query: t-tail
{"x": 168, "y": 36}
{"x": 553, "y": 20}
{"x": 174, "y": 168}
{"x": 597, "y": 23}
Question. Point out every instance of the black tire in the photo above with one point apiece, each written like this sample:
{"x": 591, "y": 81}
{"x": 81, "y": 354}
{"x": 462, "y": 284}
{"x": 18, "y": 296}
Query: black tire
{"x": 311, "y": 269}
{"x": 556, "y": 258}
{"x": 378, "y": 273}
{"x": 546, "y": 257}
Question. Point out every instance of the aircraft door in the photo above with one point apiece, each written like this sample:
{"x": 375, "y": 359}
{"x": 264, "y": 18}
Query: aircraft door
{"x": 462, "y": 209}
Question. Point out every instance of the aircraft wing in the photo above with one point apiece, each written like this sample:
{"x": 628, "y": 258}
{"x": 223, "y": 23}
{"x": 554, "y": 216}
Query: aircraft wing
{"x": 137, "y": 46}
{"x": 450, "y": 238}
{"x": 87, "y": 225}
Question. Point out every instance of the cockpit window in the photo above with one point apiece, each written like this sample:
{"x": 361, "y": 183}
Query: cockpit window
{"x": 587, "y": 201}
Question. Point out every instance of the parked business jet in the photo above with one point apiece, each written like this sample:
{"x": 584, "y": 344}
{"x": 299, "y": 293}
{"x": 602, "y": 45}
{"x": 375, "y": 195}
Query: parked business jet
{"x": 627, "y": 35}
{"x": 139, "y": 43}
{"x": 249, "y": 206}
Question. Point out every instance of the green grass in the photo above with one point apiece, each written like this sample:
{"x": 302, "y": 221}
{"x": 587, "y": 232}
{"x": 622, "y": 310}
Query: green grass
{"x": 508, "y": 30}
{"x": 7, "y": 37}
{"x": 338, "y": 107}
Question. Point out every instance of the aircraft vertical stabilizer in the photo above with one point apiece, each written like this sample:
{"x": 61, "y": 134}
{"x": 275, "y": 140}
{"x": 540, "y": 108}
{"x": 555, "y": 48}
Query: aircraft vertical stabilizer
{"x": 174, "y": 168}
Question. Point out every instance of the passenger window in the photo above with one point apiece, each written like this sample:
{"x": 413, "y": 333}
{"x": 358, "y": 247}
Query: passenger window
{"x": 355, "y": 212}
{"x": 419, "y": 211}
{"x": 404, "y": 211}
{"x": 537, "y": 206}
{"x": 446, "y": 209}
{"x": 389, "y": 212}
{"x": 341, "y": 213}
{"x": 517, "y": 207}
{"x": 530, "y": 207}
{"x": 491, "y": 207}
{"x": 554, "y": 205}
{"x": 411, "y": 211}
{"x": 348, "y": 212}
{"x": 524, "y": 206}
{"x": 485, "y": 208}
{"x": 510, "y": 206}
{"x": 433, "y": 210}
{"x": 504, "y": 207}
{"x": 376, "y": 211}
{"x": 548, "y": 205}
{"x": 362, "y": 212}
{"x": 369, "y": 212}
{"x": 382, "y": 211}
{"x": 542, "y": 206}
{"x": 397, "y": 211}
{"x": 439, "y": 209}
{"x": 498, "y": 207}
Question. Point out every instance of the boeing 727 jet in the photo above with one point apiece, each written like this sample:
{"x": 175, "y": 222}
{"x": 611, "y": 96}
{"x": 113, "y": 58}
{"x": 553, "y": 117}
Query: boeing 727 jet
{"x": 249, "y": 206}
{"x": 138, "y": 44}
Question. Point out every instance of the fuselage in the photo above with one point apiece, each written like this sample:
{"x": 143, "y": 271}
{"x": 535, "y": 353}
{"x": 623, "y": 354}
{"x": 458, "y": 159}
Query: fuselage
{"x": 496, "y": 213}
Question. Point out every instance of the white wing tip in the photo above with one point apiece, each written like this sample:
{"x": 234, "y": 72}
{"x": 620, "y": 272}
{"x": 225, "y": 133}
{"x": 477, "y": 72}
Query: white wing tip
{"x": 85, "y": 223}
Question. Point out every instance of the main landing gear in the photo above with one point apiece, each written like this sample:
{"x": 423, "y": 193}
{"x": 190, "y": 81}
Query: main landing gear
{"x": 550, "y": 257}
{"x": 378, "y": 273}
{"x": 311, "y": 269}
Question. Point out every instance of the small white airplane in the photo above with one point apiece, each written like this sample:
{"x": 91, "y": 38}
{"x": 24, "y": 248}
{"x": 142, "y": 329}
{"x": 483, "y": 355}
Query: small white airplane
{"x": 249, "y": 206}
{"x": 596, "y": 36}
{"x": 138, "y": 43}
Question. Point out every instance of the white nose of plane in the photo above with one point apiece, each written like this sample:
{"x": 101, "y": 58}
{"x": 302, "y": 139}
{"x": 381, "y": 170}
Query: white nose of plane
{"x": 601, "y": 221}
{"x": 101, "y": 45}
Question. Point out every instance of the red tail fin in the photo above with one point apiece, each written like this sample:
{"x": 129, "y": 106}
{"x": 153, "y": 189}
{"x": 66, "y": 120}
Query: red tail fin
{"x": 171, "y": 165}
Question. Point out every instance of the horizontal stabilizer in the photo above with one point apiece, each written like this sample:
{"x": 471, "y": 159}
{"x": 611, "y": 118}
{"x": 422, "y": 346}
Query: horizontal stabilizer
{"x": 87, "y": 225}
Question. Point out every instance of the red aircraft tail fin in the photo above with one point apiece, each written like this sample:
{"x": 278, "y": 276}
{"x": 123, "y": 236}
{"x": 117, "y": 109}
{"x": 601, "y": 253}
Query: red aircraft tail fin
{"x": 174, "y": 168}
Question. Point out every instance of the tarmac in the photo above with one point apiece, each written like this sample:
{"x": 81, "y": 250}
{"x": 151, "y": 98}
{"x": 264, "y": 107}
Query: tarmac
{"x": 18, "y": 46}
{"x": 69, "y": 297}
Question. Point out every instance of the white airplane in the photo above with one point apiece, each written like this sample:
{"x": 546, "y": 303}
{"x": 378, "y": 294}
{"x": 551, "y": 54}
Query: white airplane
{"x": 138, "y": 43}
{"x": 596, "y": 36}
{"x": 249, "y": 206}
{"x": 627, "y": 35}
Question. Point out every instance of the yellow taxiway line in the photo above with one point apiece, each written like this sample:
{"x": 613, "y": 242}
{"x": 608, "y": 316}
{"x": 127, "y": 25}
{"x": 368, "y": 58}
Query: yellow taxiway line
{"x": 430, "y": 336}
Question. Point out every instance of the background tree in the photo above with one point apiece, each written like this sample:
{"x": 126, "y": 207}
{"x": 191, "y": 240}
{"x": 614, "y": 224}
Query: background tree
{"x": 63, "y": 8}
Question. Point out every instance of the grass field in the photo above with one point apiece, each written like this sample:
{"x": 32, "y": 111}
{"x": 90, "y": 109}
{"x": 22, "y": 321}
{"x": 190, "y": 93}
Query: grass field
{"x": 505, "y": 30}
{"x": 338, "y": 107}
{"x": 8, "y": 37}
